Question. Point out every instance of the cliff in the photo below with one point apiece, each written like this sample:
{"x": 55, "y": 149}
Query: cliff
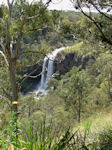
{"x": 65, "y": 61}
{"x": 34, "y": 72}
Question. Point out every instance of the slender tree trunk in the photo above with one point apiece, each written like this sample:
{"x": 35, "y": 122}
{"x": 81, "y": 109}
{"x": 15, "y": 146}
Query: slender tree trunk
{"x": 109, "y": 86}
{"x": 14, "y": 86}
{"x": 14, "y": 93}
{"x": 79, "y": 109}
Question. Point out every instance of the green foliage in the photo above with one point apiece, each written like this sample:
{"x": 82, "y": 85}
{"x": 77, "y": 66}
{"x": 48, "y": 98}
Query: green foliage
{"x": 11, "y": 134}
{"x": 87, "y": 29}
{"x": 67, "y": 27}
{"x": 72, "y": 97}
{"x": 45, "y": 137}
{"x": 38, "y": 137}
{"x": 75, "y": 48}
{"x": 105, "y": 138}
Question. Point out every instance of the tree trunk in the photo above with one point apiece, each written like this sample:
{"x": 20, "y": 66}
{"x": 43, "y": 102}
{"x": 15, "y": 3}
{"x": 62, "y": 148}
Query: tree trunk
{"x": 79, "y": 109}
{"x": 14, "y": 93}
{"x": 14, "y": 86}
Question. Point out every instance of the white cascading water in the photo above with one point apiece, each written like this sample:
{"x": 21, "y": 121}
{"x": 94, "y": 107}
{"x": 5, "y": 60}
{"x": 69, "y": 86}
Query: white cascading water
{"x": 43, "y": 76}
{"x": 48, "y": 69}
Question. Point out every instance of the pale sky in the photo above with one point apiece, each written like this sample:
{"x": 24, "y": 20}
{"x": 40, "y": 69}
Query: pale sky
{"x": 59, "y": 5}
{"x": 55, "y": 4}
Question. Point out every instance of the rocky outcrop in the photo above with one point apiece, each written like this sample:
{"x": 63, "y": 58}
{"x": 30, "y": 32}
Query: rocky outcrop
{"x": 34, "y": 73}
{"x": 65, "y": 61}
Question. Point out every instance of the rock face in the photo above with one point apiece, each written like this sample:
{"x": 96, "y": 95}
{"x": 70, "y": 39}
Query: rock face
{"x": 65, "y": 61}
{"x": 35, "y": 75}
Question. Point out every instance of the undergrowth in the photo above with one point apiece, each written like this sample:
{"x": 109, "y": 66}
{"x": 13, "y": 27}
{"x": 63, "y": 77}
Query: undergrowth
{"x": 49, "y": 137}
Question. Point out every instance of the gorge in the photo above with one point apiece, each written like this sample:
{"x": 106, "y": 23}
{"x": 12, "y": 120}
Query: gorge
{"x": 58, "y": 60}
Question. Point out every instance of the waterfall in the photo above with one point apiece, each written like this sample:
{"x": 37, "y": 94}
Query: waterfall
{"x": 48, "y": 68}
{"x": 50, "y": 71}
{"x": 43, "y": 76}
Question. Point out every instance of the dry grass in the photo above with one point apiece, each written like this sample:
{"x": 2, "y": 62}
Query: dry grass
{"x": 98, "y": 122}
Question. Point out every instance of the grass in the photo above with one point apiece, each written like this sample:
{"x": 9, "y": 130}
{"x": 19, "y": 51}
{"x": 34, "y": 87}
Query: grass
{"x": 74, "y": 48}
{"x": 95, "y": 124}
{"x": 98, "y": 121}
{"x": 96, "y": 131}
{"x": 85, "y": 48}
{"x": 82, "y": 48}
{"x": 93, "y": 133}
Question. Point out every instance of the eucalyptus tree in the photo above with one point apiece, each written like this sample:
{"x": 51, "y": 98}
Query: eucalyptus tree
{"x": 18, "y": 19}
{"x": 78, "y": 89}
{"x": 105, "y": 74}
{"x": 73, "y": 89}
{"x": 102, "y": 20}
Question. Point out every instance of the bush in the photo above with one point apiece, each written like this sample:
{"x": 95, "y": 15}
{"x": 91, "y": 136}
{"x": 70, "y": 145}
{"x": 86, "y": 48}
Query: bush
{"x": 105, "y": 139}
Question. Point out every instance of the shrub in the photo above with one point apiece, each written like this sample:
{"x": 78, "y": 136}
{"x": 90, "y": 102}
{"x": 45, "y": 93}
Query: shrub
{"x": 105, "y": 139}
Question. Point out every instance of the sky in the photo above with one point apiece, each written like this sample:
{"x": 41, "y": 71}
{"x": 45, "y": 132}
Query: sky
{"x": 61, "y": 5}
{"x": 58, "y": 5}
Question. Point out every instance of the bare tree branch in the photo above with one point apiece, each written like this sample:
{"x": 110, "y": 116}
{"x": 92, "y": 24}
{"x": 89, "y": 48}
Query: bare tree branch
{"x": 6, "y": 93}
{"x": 8, "y": 2}
{"x": 95, "y": 23}
{"x": 5, "y": 99}
{"x": 33, "y": 17}
{"x": 12, "y": 2}
{"x": 110, "y": 18}
{"x": 19, "y": 39}
{"x": 47, "y": 3}
{"x": 45, "y": 7}
{"x": 36, "y": 29}
{"x": 2, "y": 45}
{"x": 4, "y": 58}
{"x": 29, "y": 75}
{"x": 7, "y": 29}
{"x": 35, "y": 76}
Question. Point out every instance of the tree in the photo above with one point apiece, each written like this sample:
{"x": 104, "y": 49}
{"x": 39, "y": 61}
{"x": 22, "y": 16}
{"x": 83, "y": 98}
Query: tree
{"x": 78, "y": 89}
{"x": 18, "y": 19}
{"x": 105, "y": 73}
{"x": 102, "y": 21}
{"x": 73, "y": 89}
